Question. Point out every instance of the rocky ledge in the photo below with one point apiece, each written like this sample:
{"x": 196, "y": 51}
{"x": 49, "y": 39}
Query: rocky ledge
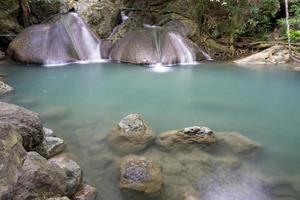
{"x": 4, "y": 88}
{"x": 25, "y": 172}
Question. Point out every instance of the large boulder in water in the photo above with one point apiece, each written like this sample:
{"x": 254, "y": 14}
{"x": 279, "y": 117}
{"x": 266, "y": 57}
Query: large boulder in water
{"x": 66, "y": 40}
{"x": 199, "y": 136}
{"x": 131, "y": 135}
{"x": 141, "y": 175}
{"x": 152, "y": 45}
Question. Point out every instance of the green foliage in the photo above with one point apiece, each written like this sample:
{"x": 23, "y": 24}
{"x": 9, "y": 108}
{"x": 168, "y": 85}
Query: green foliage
{"x": 295, "y": 35}
{"x": 244, "y": 18}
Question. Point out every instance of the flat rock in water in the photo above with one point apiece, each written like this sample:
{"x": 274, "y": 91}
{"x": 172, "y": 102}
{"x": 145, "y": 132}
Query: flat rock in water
{"x": 73, "y": 171}
{"x": 85, "y": 192}
{"x": 132, "y": 134}
{"x": 140, "y": 174}
{"x": 237, "y": 144}
{"x": 25, "y": 122}
{"x": 183, "y": 138}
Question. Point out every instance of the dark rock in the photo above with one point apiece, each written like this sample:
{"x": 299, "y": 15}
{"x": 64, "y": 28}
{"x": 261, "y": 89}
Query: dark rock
{"x": 40, "y": 179}
{"x": 39, "y": 43}
{"x": 140, "y": 174}
{"x": 85, "y": 192}
{"x": 132, "y": 134}
{"x": 183, "y": 138}
{"x": 12, "y": 156}
{"x": 72, "y": 170}
{"x": 26, "y": 123}
{"x": 2, "y": 55}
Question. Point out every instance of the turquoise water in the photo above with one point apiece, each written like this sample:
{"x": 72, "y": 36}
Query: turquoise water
{"x": 83, "y": 102}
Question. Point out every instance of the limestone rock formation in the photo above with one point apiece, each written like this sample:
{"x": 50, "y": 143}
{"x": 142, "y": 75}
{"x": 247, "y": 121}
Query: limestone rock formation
{"x": 26, "y": 123}
{"x": 132, "y": 134}
{"x": 72, "y": 170}
{"x": 85, "y": 192}
{"x": 12, "y": 156}
{"x": 152, "y": 45}
{"x": 39, "y": 179}
{"x": 4, "y": 88}
{"x": 181, "y": 139}
{"x": 140, "y": 174}
{"x": 68, "y": 39}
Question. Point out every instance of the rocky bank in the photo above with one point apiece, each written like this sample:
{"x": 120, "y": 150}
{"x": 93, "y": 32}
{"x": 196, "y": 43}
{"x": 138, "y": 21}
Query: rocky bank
{"x": 31, "y": 166}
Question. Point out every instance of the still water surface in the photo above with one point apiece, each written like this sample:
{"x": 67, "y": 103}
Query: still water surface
{"x": 83, "y": 102}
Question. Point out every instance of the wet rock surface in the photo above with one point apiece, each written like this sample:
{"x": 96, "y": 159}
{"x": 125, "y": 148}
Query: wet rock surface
{"x": 132, "y": 134}
{"x": 4, "y": 88}
{"x": 69, "y": 33}
{"x": 140, "y": 174}
{"x": 196, "y": 135}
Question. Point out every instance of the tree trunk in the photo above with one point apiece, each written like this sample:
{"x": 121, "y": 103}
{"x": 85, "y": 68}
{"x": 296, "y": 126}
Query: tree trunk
{"x": 288, "y": 25}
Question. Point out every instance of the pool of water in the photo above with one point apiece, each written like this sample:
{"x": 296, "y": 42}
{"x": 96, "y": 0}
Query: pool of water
{"x": 83, "y": 102}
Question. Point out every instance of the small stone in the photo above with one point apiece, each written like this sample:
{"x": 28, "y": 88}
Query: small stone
{"x": 48, "y": 132}
{"x": 4, "y": 88}
{"x": 73, "y": 171}
{"x": 197, "y": 130}
{"x": 85, "y": 192}
{"x": 131, "y": 135}
{"x": 53, "y": 146}
{"x": 140, "y": 174}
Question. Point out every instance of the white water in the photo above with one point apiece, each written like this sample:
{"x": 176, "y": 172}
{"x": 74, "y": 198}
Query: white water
{"x": 186, "y": 55}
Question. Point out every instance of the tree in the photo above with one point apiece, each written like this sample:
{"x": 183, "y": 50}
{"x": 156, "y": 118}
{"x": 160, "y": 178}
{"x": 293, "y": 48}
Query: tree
{"x": 288, "y": 25}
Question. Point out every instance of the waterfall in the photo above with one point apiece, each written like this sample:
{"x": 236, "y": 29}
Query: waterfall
{"x": 186, "y": 55}
{"x": 124, "y": 16}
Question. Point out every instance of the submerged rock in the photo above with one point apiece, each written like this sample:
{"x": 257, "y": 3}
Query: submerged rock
{"x": 68, "y": 39}
{"x": 12, "y": 156}
{"x": 237, "y": 144}
{"x": 4, "y": 88}
{"x": 72, "y": 170}
{"x": 40, "y": 179}
{"x": 132, "y": 134}
{"x": 140, "y": 174}
{"x": 85, "y": 192}
{"x": 196, "y": 135}
{"x": 152, "y": 45}
{"x": 273, "y": 55}
{"x": 26, "y": 123}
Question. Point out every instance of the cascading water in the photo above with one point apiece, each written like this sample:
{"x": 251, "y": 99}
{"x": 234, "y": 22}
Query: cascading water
{"x": 186, "y": 55}
{"x": 66, "y": 40}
